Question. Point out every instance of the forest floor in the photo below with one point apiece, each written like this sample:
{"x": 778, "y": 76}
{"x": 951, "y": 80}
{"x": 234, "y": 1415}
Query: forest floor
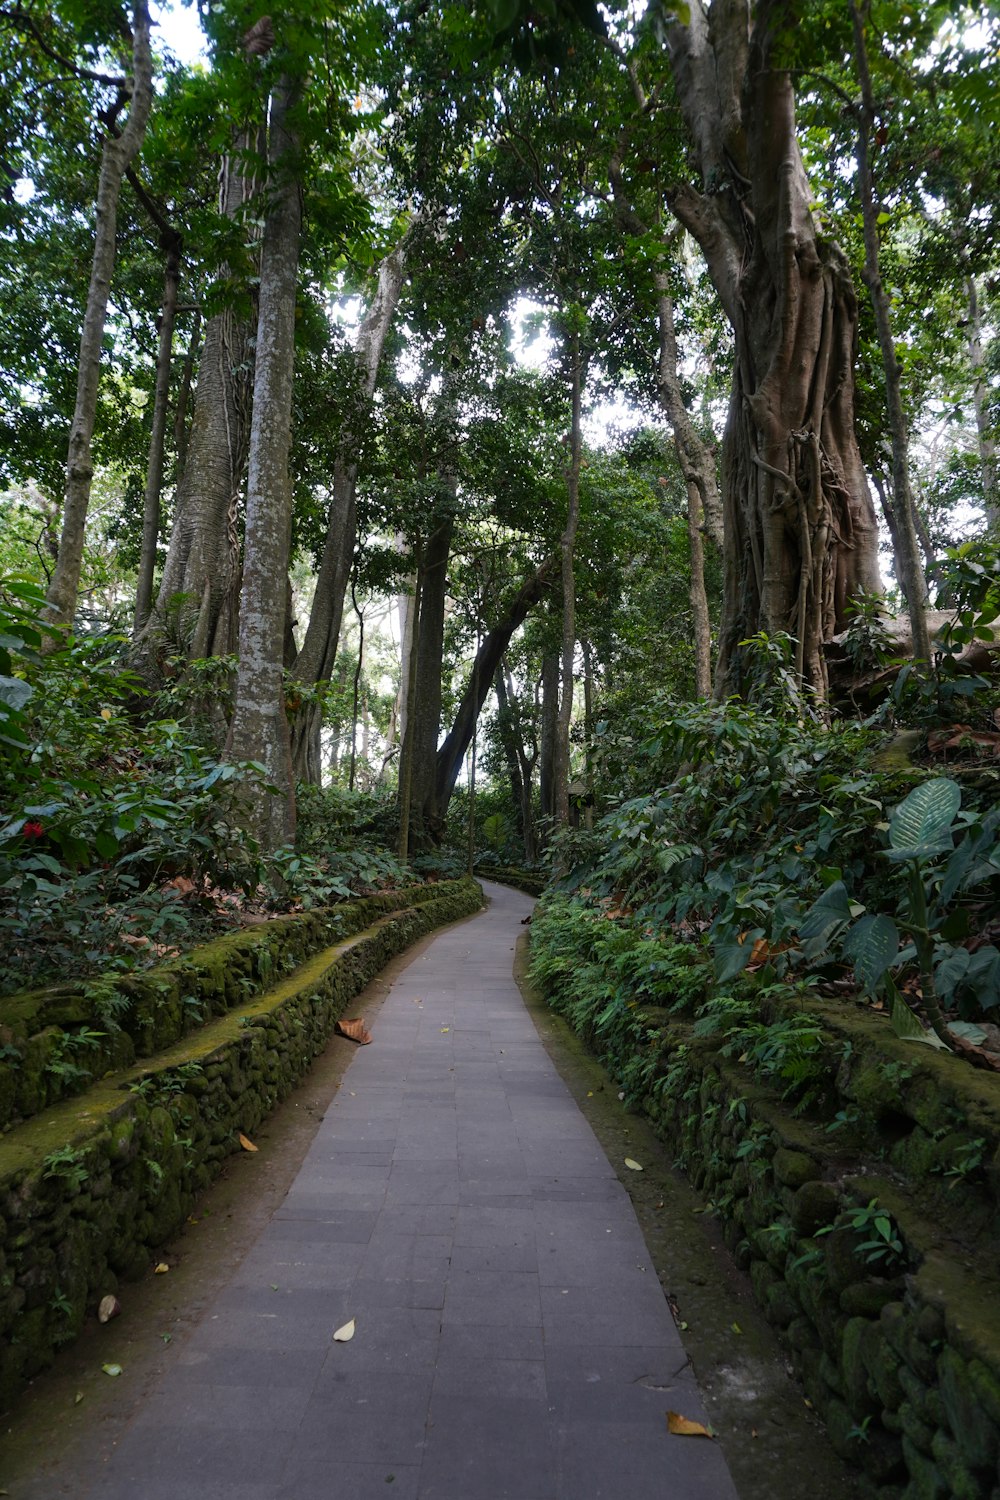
{"x": 63, "y": 1437}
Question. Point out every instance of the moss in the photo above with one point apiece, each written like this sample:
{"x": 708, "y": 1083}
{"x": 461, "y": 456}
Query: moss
{"x": 133, "y": 1180}
{"x": 954, "y": 1464}
{"x": 794, "y": 1169}
{"x": 813, "y": 1207}
{"x": 973, "y": 1429}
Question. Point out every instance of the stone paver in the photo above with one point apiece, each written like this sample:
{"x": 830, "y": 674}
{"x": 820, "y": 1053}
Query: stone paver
{"x": 512, "y": 1340}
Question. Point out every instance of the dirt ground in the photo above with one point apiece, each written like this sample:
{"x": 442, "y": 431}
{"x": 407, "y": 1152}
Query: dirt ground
{"x": 58, "y": 1437}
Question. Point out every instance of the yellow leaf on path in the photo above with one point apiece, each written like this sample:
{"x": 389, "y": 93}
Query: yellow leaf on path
{"x": 632, "y": 1165}
{"x": 444, "y": 1029}
{"x": 112, "y": 1369}
{"x": 78, "y": 1398}
{"x": 590, "y": 1093}
{"x": 736, "y": 1328}
{"x": 161, "y": 1269}
{"x": 684, "y": 1427}
{"x": 247, "y": 1144}
{"x": 343, "y": 1335}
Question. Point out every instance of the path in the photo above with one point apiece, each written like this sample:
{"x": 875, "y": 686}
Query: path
{"x": 512, "y": 1341}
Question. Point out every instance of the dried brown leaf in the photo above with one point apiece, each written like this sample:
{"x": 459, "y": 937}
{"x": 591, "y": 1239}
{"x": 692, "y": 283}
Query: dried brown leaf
{"x": 355, "y": 1031}
{"x": 684, "y": 1427}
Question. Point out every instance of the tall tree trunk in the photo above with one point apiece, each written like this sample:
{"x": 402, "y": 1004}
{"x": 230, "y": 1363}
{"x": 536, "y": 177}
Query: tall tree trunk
{"x": 406, "y": 620}
{"x": 588, "y": 731}
{"x": 984, "y": 433}
{"x": 801, "y": 537}
{"x": 517, "y": 769}
{"x": 911, "y": 574}
{"x": 488, "y": 658}
{"x": 424, "y": 712}
{"x": 697, "y": 464}
{"x": 157, "y": 435}
{"x": 118, "y": 151}
{"x": 184, "y": 395}
{"x": 567, "y": 552}
{"x": 314, "y": 663}
{"x": 547, "y": 754}
{"x": 260, "y": 727}
{"x": 406, "y": 744}
{"x": 355, "y": 692}
{"x": 197, "y": 603}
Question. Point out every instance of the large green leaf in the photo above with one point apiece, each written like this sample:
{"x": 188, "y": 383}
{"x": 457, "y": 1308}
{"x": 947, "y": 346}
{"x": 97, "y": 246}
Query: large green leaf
{"x": 14, "y": 692}
{"x": 921, "y": 825}
{"x": 873, "y": 946}
{"x": 828, "y": 912}
{"x": 905, "y": 1024}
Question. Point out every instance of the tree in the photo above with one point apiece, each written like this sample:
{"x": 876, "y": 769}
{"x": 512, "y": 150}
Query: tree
{"x": 259, "y": 730}
{"x": 119, "y": 150}
{"x": 801, "y": 533}
{"x": 314, "y": 661}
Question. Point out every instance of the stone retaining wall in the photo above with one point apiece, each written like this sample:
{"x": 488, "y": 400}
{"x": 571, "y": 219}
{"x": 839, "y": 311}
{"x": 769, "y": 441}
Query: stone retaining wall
{"x": 60, "y": 1039}
{"x": 898, "y": 1351}
{"x": 90, "y": 1187}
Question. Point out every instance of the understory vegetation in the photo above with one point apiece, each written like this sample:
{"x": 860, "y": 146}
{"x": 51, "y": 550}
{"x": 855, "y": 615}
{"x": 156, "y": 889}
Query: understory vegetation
{"x": 759, "y": 850}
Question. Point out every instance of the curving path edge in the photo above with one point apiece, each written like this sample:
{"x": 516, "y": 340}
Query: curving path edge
{"x": 511, "y": 1339}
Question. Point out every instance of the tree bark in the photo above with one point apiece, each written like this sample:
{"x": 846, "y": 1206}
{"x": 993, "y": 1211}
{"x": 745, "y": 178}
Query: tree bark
{"x": 697, "y": 464}
{"x": 406, "y": 743}
{"x": 547, "y": 755}
{"x": 197, "y": 602}
{"x": 425, "y": 708}
{"x": 184, "y": 396}
{"x": 801, "y": 537}
{"x": 567, "y": 553}
{"x": 488, "y": 658}
{"x": 260, "y": 726}
{"x": 314, "y": 663}
{"x": 519, "y": 766}
{"x": 984, "y": 434}
{"x": 117, "y": 153}
{"x": 157, "y": 436}
{"x": 911, "y": 574}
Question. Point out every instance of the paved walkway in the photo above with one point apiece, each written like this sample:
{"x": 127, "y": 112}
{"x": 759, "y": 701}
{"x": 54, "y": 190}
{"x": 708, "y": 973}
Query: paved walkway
{"x": 512, "y": 1341}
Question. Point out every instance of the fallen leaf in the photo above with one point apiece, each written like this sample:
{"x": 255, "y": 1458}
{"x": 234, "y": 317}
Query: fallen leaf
{"x": 108, "y": 1308}
{"x": 684, "y": 1427}
{"x": 354, "y": 1031}
{"x": 590, "y": 1093}
{"x": 274, "y": 1286}
{"x": 444, "y": 1029}
{"x": 247, "y": 1144}
{"x": 162, "y": 1268}
{"x": 753, "y": 1432}
{"x": 166, "y": 1337}
{"x": 736, "y": 1328}
{"x": 633, "y": 1166}
{"x": 345, "y": 1334}
{"x": 112, "y": 1369}
{"x": 78, "y": 1398}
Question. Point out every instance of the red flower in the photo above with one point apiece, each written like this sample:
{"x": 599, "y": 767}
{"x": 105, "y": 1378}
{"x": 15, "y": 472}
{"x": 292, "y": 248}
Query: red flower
{"x": 33, "y": 831}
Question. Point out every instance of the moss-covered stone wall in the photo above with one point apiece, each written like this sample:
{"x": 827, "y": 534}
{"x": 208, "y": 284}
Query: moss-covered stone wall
{"x": 896, "y": 1340}
{"x": 58, "y": 1040}
{"x": 91, "y": 1186}
{"x": 529, "y": 881}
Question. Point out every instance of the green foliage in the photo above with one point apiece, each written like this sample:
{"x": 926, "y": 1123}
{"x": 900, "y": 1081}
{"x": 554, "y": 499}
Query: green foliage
{"x": 110, "y": 830}
{"x": 939, "y": 876}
